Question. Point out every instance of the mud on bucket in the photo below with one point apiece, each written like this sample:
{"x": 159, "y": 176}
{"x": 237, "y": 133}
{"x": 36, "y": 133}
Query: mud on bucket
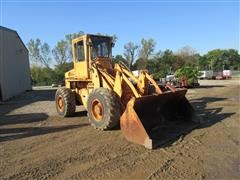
{"x": 144, "y": 115}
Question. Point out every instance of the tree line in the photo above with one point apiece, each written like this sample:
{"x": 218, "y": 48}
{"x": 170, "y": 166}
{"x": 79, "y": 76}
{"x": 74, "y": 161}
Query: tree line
{"x": 143, "y": 55}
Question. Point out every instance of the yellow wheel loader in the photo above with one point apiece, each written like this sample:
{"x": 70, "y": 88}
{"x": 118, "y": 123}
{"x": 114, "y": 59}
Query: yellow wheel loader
{"x": 112, "y": 95}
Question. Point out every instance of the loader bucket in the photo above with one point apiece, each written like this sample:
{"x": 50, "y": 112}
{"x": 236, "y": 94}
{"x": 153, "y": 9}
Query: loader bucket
{"x": 144, "y": 115}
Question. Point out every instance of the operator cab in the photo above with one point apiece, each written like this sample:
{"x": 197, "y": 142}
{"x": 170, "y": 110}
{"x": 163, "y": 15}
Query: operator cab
{"x": 88, "y": 49}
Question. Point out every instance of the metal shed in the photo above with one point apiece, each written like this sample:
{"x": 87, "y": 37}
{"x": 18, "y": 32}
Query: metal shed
{"x": 14, "y": 65}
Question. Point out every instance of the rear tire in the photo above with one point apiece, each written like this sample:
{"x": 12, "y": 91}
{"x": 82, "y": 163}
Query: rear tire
{"x": 65, "y": 102}
{"x": 104, "y": 109}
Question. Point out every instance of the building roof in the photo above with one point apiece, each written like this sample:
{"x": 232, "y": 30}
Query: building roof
{"x": 10, "y": 30}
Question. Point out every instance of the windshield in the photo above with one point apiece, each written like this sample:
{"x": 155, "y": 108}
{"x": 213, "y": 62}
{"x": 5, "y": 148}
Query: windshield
{"x": 101, "y": 47}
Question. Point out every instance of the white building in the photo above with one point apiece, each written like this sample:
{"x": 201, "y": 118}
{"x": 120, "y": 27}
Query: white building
{"x": 14, "y": 65}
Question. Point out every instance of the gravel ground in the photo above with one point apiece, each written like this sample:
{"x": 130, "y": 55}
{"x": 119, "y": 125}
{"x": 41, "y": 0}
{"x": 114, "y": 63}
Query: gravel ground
{"x": 35, "y": 143}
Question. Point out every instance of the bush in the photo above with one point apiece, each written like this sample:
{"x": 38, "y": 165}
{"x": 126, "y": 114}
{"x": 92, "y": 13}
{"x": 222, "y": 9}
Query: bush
{"x": 45, "y": 76}
{"x": 60, "y": 70}
{"x": 189, "y": 72}
{"x": 42, "y": 76}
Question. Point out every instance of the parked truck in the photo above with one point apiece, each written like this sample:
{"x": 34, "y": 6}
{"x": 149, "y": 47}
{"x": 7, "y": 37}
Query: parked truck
{"x": 207, "y": 74}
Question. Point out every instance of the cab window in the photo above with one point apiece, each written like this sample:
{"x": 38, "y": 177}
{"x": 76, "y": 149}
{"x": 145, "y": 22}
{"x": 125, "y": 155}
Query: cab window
{"x": 100, "y": 47}
{"x": 79, "y": 47}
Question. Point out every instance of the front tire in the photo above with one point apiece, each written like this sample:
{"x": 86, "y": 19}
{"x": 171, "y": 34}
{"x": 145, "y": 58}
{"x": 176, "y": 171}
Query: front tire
{"x": 65, "y": 102}
{"x": 104, "y": 109}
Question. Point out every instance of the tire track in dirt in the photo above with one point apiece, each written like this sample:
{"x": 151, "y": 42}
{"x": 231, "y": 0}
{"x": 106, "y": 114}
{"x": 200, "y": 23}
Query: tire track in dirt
{"x": 164, "y": 167}
{"x": 175, "y": 166}
{"x": 46, "y": 170}
{"x": 108, "y": 165}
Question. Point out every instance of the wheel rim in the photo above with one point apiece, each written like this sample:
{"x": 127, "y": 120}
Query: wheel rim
{"x": 60, "y": 103}
{"x": 97, "y": 110}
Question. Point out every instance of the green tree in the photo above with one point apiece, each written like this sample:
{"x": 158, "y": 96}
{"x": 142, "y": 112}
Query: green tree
{"x": 218, "y": 59}
{"x": 42, "y": 76}
{"x": 61, "y": 69}
{"x": 162, "y": 63}
{"x": 156, "y": 69}
{"x": 231, "y": 59}
{"x": 168, "y": 61}
{"x": 118, "y": 58}
{"x": 140, "y": 64}
{"x": 214, "y": 59}
{"x": 203, "y": 63}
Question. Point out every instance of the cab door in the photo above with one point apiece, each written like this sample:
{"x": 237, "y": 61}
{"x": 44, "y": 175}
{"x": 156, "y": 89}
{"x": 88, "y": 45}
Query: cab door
{"x": 80, "y": 60}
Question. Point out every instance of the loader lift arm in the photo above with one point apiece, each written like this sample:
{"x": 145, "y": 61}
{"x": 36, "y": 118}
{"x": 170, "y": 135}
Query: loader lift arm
{"x": 124, "y": 74}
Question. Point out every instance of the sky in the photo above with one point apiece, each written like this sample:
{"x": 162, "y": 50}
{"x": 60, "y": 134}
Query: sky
{"x": 203, "y": 25}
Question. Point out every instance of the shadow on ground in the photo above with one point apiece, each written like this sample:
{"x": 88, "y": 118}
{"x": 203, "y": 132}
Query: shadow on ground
{"x": 25, "y": 99}
{"x": 170, "y": 132}
{"x": 18, "y": 133}
{"x": 22, "y": 118}
{"x": 22, "y": 122}
{"x": 80, "y": 113}
{"x": 7, "y": 134}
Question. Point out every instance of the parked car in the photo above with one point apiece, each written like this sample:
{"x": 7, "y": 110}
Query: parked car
{"x": 219, "y": 77}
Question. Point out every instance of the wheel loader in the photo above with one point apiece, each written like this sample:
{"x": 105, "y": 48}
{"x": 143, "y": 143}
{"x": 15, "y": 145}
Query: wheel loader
{"x": 113, "y": 96}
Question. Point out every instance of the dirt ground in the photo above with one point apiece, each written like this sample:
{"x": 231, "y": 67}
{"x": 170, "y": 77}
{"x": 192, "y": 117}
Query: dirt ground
{"x": 37, "y": 144}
